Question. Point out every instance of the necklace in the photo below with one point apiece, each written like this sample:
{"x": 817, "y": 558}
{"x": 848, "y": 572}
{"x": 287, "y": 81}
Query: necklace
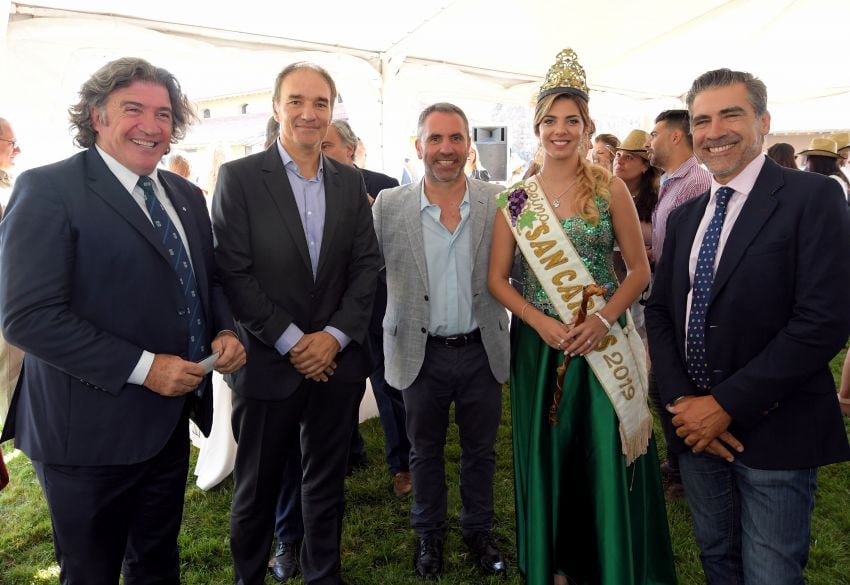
{"x": 556, "y": 201}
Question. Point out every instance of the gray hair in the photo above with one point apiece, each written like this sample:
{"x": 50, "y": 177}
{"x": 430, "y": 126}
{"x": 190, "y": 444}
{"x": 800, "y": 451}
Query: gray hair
{"x": 756, "y": 90}
{"x": 300, "y": 65}
{"x": 445, "y": 108}
{"x": 346, "y": 134}
{"x": 180, "y": 165}
{"x": 123, "y": 72}
{"x": 272, "y": 130}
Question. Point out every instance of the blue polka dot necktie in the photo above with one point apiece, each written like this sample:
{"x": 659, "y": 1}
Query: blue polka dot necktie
{"x": 197, "y": 346}
{"x": 697, "y": 360}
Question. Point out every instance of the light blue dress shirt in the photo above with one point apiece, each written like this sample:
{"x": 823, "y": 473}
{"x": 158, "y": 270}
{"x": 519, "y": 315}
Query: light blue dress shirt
{"x": 449, "y": 259}
{"x": 310, "y": 199}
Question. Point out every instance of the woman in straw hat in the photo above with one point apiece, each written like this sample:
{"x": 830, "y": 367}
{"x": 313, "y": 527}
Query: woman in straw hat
{"x": 631, "y": 165}
{"x": 589, "y": 504}
{"x": 822, "y": 158}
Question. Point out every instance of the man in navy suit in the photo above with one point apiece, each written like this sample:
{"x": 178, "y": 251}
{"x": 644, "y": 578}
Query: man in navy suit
{"x": 748, "y": 307}
{"x": 107, "y": 284}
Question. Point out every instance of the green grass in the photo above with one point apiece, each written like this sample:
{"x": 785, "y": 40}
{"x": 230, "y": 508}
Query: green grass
{"x": 377, "y": 545}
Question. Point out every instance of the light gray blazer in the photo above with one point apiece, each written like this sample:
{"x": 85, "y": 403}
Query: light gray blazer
{"x": 398, "y": 225}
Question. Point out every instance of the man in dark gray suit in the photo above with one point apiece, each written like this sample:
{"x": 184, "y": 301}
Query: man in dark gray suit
{"x": 297, "y": 249}
{"x": 445, "y": 336}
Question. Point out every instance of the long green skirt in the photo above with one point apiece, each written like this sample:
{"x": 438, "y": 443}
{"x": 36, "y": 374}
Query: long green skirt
{"x": 581, "y": 512}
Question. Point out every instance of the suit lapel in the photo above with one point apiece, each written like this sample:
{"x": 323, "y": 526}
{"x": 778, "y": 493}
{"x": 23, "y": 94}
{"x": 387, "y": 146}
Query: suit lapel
{"x": 413, "y": 220}
{"x": 757, "y": 209}
{"x": 103, "y": 183}
{"x": 277, "y": 184}
{"x": 333, "y": 201}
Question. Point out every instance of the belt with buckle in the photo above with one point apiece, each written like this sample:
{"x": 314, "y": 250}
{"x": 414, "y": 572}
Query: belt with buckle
{"x": 457, "y": 340}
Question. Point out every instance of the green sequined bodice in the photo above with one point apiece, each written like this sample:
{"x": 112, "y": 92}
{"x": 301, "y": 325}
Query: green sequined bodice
{"x": 595, "y": 245}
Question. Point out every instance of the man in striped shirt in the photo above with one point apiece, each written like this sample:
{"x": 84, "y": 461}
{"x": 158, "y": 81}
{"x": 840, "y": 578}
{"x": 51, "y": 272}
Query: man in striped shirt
{"x": 671, "y": 149}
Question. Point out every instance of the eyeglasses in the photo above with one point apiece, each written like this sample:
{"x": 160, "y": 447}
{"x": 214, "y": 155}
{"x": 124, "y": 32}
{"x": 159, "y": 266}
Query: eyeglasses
{"x": 14, "y": 143}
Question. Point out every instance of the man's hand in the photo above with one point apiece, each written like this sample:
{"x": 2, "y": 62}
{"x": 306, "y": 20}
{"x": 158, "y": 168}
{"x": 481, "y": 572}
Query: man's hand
{"x": 171, "y": 375}
{"x": 313, "y": 355}
{"x": 701, "y": 421}
{"x": 231, "y": 354}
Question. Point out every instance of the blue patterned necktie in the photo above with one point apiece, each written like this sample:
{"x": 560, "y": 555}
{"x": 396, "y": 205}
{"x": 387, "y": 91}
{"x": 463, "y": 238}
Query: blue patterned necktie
{"x": 197, "y": 346}
{"x": 697, "y": 360}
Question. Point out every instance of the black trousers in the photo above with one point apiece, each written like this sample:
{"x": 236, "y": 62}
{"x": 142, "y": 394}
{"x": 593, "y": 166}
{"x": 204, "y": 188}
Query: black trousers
{"x": 461, "y": 375}
{"x": 107, "y": 516}
{"x": 265, "y": 437}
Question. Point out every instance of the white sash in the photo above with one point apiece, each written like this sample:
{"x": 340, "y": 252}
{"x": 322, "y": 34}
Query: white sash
{"x": 619, "y": 361}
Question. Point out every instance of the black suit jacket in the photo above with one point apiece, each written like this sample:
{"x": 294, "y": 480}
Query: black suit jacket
{"x": 262, "y": 252}
{"x": 777, "y": 315}
{"x": 377, "y": 182}
{"x": 85, "y": 287}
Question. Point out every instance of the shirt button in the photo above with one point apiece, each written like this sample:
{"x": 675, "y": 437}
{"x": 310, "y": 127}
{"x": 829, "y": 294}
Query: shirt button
{"x": 426, "y": 297}
{"x": 424, "y": 330}
{"x": 309, "y": 213}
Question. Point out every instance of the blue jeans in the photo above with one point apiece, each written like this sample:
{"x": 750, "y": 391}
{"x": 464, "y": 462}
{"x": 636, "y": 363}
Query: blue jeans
{"x": 752, "y": 525}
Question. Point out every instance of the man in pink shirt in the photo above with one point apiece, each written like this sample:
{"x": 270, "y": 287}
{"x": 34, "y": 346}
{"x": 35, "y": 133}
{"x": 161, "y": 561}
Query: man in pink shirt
{"x": 671, "y": 149}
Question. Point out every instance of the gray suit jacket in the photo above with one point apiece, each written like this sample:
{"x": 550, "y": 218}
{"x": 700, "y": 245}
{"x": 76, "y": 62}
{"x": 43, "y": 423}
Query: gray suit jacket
{"x": 398, "y": 225}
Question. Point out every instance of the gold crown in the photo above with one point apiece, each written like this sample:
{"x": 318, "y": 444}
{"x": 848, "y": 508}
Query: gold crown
{"x": 565, "y": 76}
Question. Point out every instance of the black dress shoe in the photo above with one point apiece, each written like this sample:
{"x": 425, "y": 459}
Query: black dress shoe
{"x": 284, "y": 564}
{"x": 486, "y": 555}
{"x": 428, "y": 560}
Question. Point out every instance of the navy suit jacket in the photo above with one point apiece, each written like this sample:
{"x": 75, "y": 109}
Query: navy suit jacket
{"x": 262, "y": 251}
{"x": 85, "y": 287}
{"x": 777, "y": 315}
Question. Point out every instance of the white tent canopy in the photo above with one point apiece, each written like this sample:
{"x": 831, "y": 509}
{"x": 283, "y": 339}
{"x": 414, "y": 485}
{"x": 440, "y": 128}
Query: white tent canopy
{"x": 389, "y": 58}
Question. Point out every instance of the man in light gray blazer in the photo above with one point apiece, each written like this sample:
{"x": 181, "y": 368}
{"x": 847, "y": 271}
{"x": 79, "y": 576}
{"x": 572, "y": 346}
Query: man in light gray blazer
{"x": 445, "y": 337}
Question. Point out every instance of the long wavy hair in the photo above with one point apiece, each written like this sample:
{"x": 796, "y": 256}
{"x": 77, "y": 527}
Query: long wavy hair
{"x": 121, "y": 73}
{"x": 592, "y": 180}
{"x": 647, "y": 197}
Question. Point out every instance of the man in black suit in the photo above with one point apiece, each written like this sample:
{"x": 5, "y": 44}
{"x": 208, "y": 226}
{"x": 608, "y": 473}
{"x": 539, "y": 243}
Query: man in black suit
{"x": 107, "y": 284}
{"x": 340, "y": 144}
{"x": 749, "y": 306}
{"x": 299, "y": 258}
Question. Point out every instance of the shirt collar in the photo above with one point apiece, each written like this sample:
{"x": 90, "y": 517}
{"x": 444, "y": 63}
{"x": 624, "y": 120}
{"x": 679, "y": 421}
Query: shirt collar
{"x": 124, "y": 175}
{"x": 683, "y": 169}
{"x": 423, "y": 199}
{"x": 743, "y": 181}
{"x": 293, "y": 166}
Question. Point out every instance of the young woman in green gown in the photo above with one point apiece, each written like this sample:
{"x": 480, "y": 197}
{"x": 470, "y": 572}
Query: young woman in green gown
{"x": 583, "y": 515}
